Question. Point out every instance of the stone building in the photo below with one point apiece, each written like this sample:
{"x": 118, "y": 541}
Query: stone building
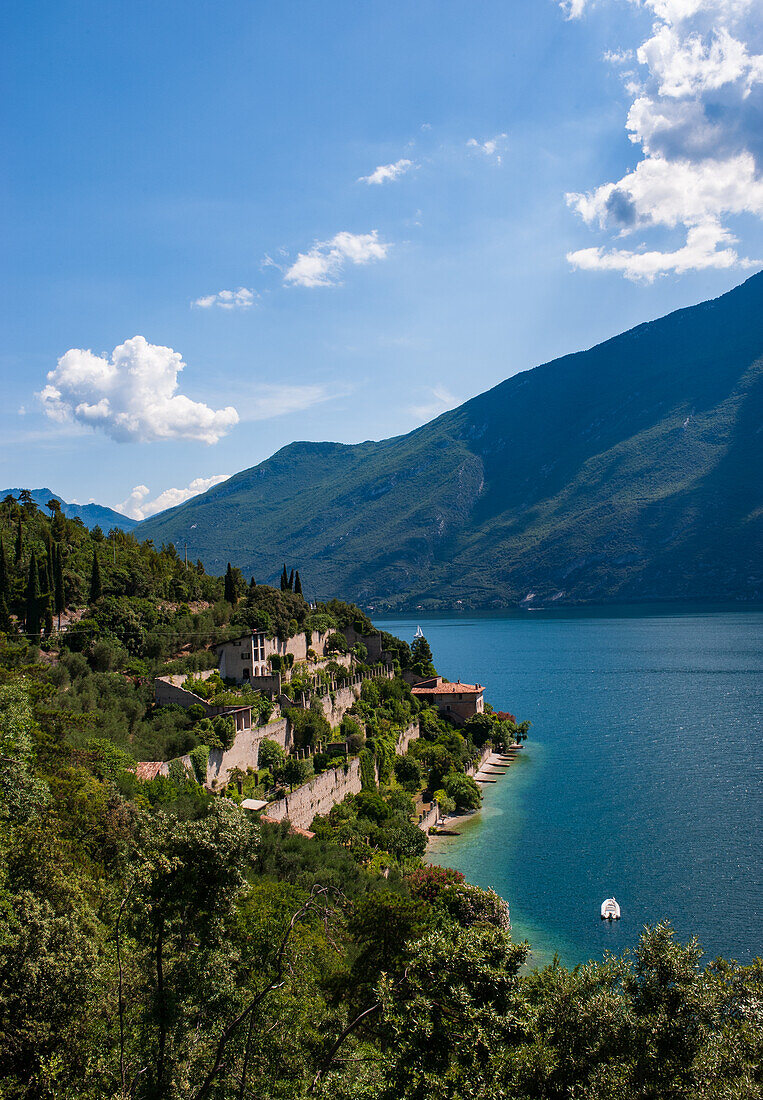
{"x": 245, "y": 659}
{"x": 456, "y": 701}
{"x": 169, "y": 690}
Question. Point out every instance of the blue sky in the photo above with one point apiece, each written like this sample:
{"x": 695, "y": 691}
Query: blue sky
{"x": 401, "y": 204}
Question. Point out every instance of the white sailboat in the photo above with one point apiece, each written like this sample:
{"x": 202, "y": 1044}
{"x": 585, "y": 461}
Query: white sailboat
{"x": 610, "y": 910}
{"x": 419, "y": 633}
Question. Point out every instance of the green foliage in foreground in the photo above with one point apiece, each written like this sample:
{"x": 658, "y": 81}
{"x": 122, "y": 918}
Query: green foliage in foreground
{"x": 157, "y": 943}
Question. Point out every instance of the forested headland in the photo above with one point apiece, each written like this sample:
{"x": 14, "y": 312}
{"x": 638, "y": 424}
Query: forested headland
{"x": 157, "y": 940}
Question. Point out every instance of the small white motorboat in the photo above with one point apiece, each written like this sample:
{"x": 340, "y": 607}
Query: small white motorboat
{"x": 610, "y": 910}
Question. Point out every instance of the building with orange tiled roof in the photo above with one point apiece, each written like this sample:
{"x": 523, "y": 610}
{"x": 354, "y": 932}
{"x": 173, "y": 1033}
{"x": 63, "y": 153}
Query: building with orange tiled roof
{"x": 453, "y": 700}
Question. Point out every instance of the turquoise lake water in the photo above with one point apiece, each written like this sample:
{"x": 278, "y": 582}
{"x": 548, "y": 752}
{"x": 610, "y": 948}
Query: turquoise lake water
{"x": 642, "y": 776}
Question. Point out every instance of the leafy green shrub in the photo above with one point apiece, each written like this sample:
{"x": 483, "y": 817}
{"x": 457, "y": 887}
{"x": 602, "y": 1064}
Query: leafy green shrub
{"x": 297, "y": 772}
{"x": 463, "y": 790}
{"x": 384, "y": 750}
{"x": 367, "y": 770}
{"x": 271, "y": 755}
{"x": 336, "y": 643}
{"x": 177, "y": 772}
{"x": 470, "y": 905}
{"x": 199, "y": 760}
{"x": 408, "y": 772}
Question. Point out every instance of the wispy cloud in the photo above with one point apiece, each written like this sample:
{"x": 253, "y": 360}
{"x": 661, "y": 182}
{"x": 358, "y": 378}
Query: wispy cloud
{"x": 131, "y": 396}
{"x": 574, "y": 8}
{"x": 490, "y": 148}
{"x": 242, "y": 298}
{"x": 138, "y": 506}
{"x": 440, "y": 400}
{"x": 385, "y": 173}
{"x": 617, "y": 57}
{"x": 324, "y": 263}
{"x": 267, "y": 402}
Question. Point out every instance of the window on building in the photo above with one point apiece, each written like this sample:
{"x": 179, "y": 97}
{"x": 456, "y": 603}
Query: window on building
{"x": 246, "y": 673}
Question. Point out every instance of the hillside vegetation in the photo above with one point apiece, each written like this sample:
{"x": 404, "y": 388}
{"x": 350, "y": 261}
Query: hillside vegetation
{"x": 627, "y": 472}
{"x": 158, "y": 943}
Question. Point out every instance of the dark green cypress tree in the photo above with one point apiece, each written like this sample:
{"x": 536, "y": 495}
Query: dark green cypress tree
{"x": 49, "y": 560}
{"x": 6, "y": 625}
{"x": 59, "y": 595}
{"x": 5, "y": 580}
{"x": 252, "y": 583}
{"x": 290, "y": 583}
{"x": 230, "y": 586}
{"x": 47, "y": 616}
{"x": 96, "y": 588}
{"x": 42, "y": 571}
{"x": 19, "y": 545}
{"x": 32, "y": 617}
{"x": 284, "y": 580}
{"x": 297, "y": 584}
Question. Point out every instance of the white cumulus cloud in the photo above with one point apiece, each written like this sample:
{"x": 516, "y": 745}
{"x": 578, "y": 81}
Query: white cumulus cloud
{"x": 697, "y": 116}
{"x": 325, "y": 261}
{"x": 385, "y": 173}
{"x": 138, "y": 506}
{"x": 132, "y": 396}
{"x": 227, "y": 299}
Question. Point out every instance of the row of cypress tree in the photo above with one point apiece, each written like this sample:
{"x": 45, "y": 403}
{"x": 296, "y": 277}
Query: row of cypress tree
{"x": 290, "y": 582}
{"x": 44, "y": 590}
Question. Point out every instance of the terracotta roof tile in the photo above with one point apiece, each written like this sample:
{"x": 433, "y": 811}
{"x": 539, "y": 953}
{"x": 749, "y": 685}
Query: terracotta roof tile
{"x": 449, "y": 689}
{"x": 148, "y": 769}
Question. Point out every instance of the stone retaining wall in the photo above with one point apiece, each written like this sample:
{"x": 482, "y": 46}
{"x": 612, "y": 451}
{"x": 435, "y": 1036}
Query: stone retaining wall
{"x": 407, "y": 736}
{"x": 429, "y": 818}
{"x": 244, "y": 752}
{"x": 317, "y": 796}
{"x": 487, "y": 752}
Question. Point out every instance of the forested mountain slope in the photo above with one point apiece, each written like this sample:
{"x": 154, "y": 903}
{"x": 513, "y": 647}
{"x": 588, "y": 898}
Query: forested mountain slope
{"x": 630, "y": 471}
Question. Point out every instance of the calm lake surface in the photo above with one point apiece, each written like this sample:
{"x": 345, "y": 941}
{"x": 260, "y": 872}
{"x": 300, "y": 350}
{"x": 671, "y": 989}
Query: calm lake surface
{"x": 642, "y": 776}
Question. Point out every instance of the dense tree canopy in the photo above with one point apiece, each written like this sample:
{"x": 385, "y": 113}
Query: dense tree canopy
{"x": 156, "y": 941}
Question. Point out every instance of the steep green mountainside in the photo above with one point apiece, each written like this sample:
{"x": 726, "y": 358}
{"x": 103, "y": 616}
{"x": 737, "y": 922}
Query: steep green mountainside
{"x": 630, "y": 471}
{"x": 92, "y": 515}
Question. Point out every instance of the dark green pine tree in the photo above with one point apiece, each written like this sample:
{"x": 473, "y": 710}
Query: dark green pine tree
{"x": 252, "y": 584}
{"x": 32, "y": 617}
{"x": 19, "y": 545}
{"x": 297, "y": 584}
{"x": 5, "y": 580}
{"x": 284, "y": 580}
{"x": 230, "y": 586}
{"x": 290, "y": 582}
{"x": 96, "y": 588}
{"x": 6, "y": 625}
{"x": 59, "y": 593}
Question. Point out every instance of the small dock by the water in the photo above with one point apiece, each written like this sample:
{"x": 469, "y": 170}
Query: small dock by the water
{"x": 497, "y": 764}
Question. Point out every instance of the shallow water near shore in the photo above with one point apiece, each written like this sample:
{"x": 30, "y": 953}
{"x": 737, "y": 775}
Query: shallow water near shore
{"x": 642, "y": 776}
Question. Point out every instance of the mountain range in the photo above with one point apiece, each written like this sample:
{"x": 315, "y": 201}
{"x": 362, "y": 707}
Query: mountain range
{"x": 92, "y": 515}
{"x": 628, "y": 472}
